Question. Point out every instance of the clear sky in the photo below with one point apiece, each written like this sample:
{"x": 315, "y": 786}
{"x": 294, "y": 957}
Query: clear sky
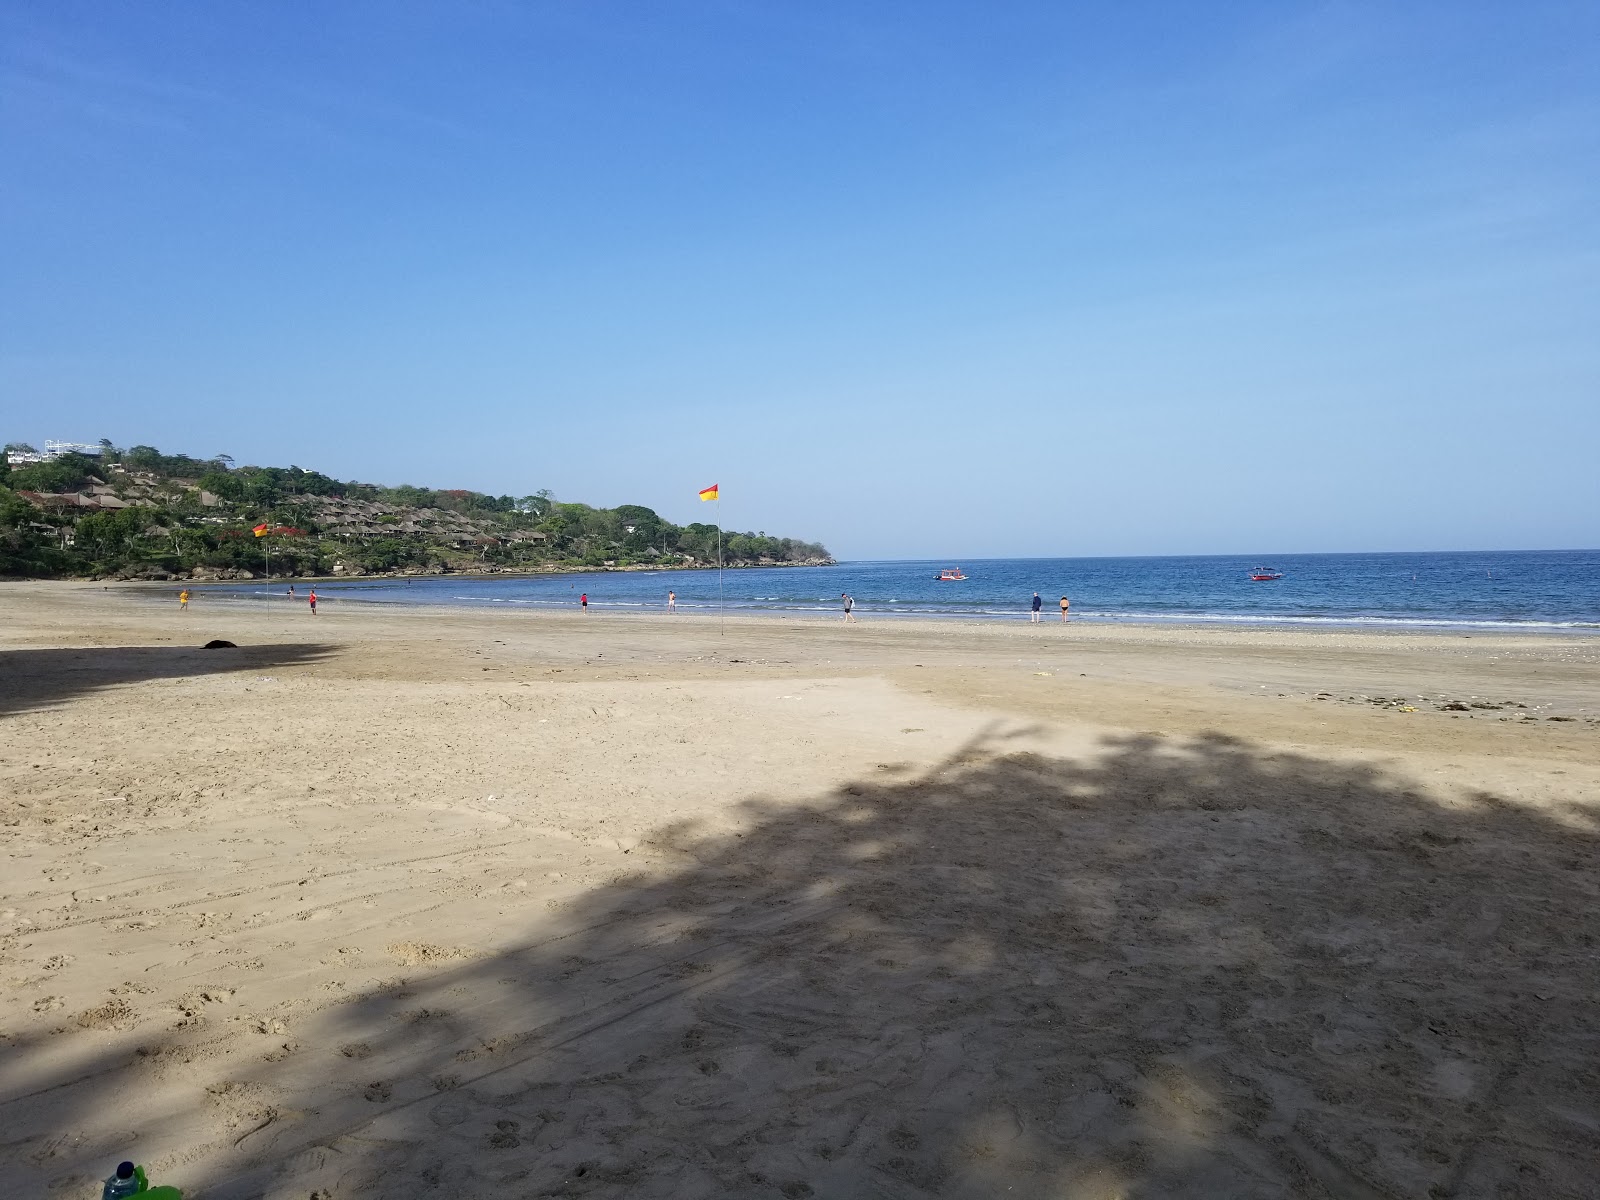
{"x": 914, "y": 279}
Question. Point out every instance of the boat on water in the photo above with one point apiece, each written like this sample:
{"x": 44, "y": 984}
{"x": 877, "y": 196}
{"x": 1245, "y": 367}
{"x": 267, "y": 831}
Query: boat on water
{"x": 950, "y": 575}
{"x": 1265, "y": 574}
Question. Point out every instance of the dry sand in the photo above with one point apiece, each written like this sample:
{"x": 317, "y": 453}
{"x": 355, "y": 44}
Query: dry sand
{"x": 447, "y": 903}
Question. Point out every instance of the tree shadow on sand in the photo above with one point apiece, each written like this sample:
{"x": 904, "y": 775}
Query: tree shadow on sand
{"x": 1174, "y": 970}
{"x": 32, "y": 679}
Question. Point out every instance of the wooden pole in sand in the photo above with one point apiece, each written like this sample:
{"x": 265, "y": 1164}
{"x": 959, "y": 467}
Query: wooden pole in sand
{"x": 722, "y": 612}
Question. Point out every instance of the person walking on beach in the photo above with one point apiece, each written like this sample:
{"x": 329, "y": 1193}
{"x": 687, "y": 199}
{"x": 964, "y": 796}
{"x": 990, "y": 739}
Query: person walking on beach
{"x": 1037, "y": 605}
{"x": 1064, "y": 607}
{"x": 849, "y": 607}
{"x": 672, "y": 601}
{"x": 583, "y": 601}
{"x": 183, "y": 600}
{"x": 291, "y": 591}
{"x": 312, "y": 600}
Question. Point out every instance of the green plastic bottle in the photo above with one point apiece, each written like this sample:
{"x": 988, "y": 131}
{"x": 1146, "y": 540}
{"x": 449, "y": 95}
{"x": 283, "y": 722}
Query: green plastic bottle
{"x": 130, "y": 1180}
{"x": 127, "y": 1180}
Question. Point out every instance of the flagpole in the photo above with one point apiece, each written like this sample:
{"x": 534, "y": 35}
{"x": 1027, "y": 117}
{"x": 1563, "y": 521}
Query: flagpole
{"x": 722, "y": 612}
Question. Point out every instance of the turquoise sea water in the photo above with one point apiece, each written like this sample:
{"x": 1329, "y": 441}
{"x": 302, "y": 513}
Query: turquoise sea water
{"x": 1556, "y": 589}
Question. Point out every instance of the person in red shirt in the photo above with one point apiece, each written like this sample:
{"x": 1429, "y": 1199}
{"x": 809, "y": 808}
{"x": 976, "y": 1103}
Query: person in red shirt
{"x": 312, "y": 600}
{"x": 584, "y": 600}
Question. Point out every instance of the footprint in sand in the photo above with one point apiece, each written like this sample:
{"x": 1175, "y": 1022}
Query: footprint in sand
{"x": 419, "y": 954}
{"x": 115, "y": 1013}
{"x": 449, "y": 1113}
{"x": 504, "y": 1136}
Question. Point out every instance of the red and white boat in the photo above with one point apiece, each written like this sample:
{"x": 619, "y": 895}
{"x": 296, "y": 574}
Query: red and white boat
{"x": 1265, "y": 574}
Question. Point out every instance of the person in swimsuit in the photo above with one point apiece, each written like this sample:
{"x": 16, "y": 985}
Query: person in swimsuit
{"x": 1064, "y": 607}
{"x": 672, "y": 601}
{"x": 1037, "y": 604}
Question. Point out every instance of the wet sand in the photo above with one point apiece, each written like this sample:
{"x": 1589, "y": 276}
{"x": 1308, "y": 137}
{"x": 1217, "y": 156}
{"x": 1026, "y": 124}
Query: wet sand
{"x": 539, "y": 904}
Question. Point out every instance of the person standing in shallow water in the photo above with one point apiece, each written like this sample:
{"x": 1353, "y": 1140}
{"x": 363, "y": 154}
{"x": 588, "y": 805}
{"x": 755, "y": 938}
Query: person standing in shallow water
{"x": 1064, "y": 607}
{"x": 672, "y": 601}
{"x": 312, "y": 600}
{"x": 1037, "y": 605}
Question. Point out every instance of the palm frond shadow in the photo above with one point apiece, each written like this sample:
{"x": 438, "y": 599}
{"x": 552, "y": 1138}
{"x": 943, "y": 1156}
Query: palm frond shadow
{"x": 1172, "y": 970}
{"x": 42, "y": 678}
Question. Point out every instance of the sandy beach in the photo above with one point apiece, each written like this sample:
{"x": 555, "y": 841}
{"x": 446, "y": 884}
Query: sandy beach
{"x": 403, "y": 901}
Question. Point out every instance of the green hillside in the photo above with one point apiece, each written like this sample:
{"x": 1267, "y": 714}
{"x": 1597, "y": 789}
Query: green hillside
{"x": 141, "y": 514}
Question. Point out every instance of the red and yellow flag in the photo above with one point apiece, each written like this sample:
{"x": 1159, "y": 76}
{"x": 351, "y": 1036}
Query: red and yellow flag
{"x": 261, "y": 530}
{"x": 709, "y": 493}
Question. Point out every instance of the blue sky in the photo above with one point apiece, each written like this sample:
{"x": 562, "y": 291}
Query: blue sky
{"x": 915, "y": 279}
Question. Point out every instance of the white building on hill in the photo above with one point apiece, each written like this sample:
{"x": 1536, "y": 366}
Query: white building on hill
{"x": 52, "y": 451}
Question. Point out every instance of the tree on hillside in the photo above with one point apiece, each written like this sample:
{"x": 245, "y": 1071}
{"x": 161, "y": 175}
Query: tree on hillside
{"x": 26, "y": 549}
{"x": 58, "y": 475}
{"x": 640, "y": 530}
{"x": 537, "y": 504}
{"x": 411, "y": 495}
{"x": 107, "y": 535}
{"x": 220, "y": 483}
{"x": 176, "y": 466}
{"x": 699, "y": 540}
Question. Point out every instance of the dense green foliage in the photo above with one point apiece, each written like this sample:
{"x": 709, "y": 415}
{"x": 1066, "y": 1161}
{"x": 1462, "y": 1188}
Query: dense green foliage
{"x": 57, "y": 476}
{"x": 140, "y": 513}
{"x": 267, "y": 485}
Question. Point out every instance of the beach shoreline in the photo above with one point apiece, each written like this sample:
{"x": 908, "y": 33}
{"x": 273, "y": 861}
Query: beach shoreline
{"x": 246, "y": 592}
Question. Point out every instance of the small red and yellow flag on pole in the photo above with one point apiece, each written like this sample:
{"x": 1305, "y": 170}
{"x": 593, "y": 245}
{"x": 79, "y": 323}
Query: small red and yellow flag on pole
{"x": 709, "y": 493}
{"x": 261, "y": 530}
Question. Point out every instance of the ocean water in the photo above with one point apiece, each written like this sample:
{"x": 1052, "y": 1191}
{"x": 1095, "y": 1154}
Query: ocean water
{"x": 1555, "y": 590}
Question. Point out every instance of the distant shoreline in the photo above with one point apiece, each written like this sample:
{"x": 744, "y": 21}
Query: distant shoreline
{"x": 1457, "y": 594}
{"x": 882, "y": 617}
